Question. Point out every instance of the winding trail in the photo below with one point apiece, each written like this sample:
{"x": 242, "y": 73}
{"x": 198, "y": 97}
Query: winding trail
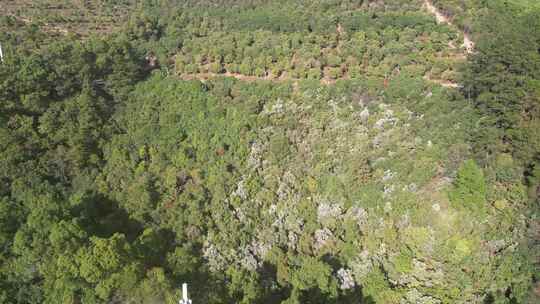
{"x": 443, "y": 83}
{"x": 468, "y": 44}
{"x": 46, "y": 27}
{"x": 247, "y": 78}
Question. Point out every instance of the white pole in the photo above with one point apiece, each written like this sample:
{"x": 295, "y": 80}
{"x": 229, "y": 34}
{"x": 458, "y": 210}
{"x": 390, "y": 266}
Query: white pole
{"x": 184, "y": 292}
{"x": 185, "y": 298}
{"x": 1, "y": 54}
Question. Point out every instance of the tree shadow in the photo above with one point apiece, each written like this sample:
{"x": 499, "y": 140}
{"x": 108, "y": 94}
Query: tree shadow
{"x": 267, "y": 279}
{"x": 489, "y": 299}
{"x": 353, "y": 296}
{"x": 102, "y": 217}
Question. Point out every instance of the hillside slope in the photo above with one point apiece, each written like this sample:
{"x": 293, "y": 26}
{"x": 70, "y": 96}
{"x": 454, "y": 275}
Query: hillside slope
{"x": 271, "y": 152}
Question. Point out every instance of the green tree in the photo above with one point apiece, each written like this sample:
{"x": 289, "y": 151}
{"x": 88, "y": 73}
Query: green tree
{"x": 469, "y": 187}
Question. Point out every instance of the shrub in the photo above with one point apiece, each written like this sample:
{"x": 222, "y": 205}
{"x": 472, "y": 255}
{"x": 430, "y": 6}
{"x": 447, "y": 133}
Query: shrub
{"x": 469, "y": 187}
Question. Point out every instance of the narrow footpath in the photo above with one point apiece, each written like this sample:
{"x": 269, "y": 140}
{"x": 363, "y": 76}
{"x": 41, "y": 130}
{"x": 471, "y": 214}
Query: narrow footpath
{"x": 468, "y": 44}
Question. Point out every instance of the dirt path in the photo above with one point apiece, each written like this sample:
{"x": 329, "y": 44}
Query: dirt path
{"x": 46, "y": 27}
{"x": 468, "y": 44}
{"x": 443, "y": 83}
{"x": 434, "y": 11}
{"x": 209, "y": 75}
{"x": 283, "y": 78}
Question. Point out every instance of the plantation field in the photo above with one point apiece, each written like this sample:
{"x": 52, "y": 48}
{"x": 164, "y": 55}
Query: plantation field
{"x": 78, "y": 17}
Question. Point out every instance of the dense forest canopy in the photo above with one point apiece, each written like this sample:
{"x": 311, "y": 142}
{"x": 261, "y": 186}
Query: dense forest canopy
{"x": 337, "y": 151}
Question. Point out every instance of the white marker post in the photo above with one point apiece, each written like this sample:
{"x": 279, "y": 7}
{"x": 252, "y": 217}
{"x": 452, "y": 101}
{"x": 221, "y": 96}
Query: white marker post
{"x": 1, "y": 54}
{"x": 185, "y": 299}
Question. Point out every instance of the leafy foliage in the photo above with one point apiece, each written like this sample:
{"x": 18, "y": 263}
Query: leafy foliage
{"x": 272, "y": 152}
{"x": 470, "y": 186}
